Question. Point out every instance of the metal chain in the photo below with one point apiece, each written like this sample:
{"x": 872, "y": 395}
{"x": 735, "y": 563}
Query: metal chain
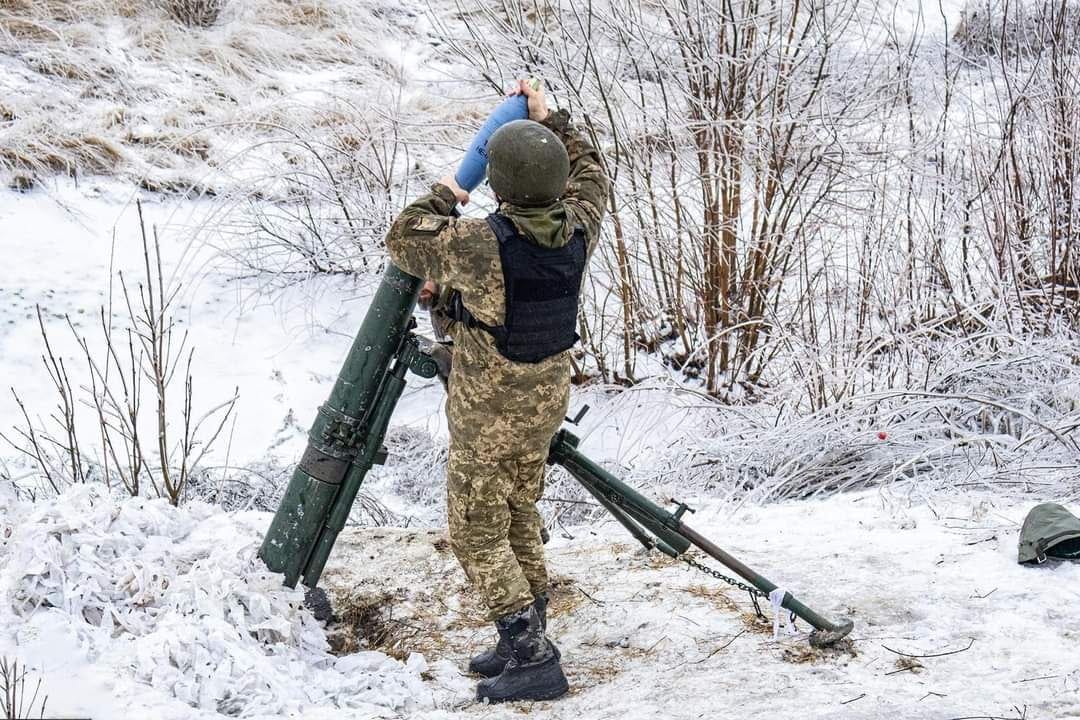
{"x": 752, "y": 591}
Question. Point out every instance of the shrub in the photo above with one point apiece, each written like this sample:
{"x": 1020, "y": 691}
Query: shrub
{"x": 196, "y": 13}
{"x": 993, "y": 27}
{"x": 145, "y": 444}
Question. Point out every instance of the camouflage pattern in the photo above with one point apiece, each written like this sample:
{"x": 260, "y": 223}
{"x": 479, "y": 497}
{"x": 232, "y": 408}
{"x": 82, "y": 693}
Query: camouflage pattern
{"x": 495, "y": 527}
{"x": 440, "y": 320}
{"x": 501, "y": 414}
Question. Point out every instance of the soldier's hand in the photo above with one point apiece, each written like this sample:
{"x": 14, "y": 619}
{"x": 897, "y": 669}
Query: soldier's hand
{"x": 428, "y": 293}
{"x": 461, "y": 195}
{"x": 538, "y": 108}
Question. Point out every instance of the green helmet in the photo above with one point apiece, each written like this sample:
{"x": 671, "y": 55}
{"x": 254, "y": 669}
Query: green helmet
{"x": 527, "y": 164}
{"x": 1049, "y": 529}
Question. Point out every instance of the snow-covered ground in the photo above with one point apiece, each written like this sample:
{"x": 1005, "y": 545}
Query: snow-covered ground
{"x": 138, "y": 608}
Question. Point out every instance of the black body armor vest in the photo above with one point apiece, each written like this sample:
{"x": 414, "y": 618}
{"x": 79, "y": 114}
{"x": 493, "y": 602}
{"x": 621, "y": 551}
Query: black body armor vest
{"x": 542, "y": 288}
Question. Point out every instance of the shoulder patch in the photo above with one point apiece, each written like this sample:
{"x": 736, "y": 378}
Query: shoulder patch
{"x": 430, "y": 223}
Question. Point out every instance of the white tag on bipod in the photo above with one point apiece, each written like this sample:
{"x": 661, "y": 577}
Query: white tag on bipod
{"x": 776, "y": 599}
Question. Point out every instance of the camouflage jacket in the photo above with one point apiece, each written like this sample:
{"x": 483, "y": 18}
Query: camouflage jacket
{"x": 496, "y": 406}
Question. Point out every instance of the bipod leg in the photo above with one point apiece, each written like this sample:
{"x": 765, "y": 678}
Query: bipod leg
{"x": 639, "y": 533}
{"x": 623, "y": 502}
{"x": 826, "y": 632}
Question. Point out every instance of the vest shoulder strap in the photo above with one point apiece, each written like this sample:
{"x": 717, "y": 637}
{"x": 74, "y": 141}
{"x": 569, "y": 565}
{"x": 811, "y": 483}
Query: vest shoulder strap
{"x": 503, "y": 227}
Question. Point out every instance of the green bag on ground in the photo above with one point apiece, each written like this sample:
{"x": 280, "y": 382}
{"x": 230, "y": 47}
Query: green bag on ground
{"x": 1049, "y": 531}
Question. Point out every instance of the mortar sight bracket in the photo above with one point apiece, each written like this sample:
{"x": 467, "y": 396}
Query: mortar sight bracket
{"x": 417, "y": 356}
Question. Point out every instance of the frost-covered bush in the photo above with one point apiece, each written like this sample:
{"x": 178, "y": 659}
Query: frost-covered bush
{"x": 135, "y": 358}
{"x": 417, "y": 466}
{"x": 257, "y": 486}
{"x": 997, "y": 413}
{"x": 196, "y": 13}
{"x": 994, "y": 27}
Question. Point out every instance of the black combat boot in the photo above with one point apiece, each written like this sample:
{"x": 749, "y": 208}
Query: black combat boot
{"x": 533, "y": 671}
{"x": 492, "y": 661}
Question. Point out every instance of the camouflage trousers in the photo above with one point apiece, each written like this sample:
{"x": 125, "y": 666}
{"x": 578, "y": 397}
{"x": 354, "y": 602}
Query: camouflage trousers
{"x": 494, "y": 525}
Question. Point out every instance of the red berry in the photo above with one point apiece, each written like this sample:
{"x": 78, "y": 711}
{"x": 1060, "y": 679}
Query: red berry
{"x": 882, "y": 435}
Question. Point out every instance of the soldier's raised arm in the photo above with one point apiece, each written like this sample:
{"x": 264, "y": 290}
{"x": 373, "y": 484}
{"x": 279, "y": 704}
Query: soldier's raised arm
{"x": 588, "y": 186}
{"x": 427, "y": 241}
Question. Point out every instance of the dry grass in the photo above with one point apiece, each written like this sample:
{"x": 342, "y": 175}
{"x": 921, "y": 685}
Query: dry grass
{"x": 70, "y": 65}
{"x": 399, "y": 623}
{"x": 91, "y": 153}
{"x": 908, "y": 664}
{"x": 19, "y": 29}
{"x": 755, "y": 624}
{"x": 306, "y": 13}
{"x": 715, "y": 596}
{"x": 195, "y": 13}
{"x": 71, "y": 11}
{"x": 360, "y": 624}
{"x": 564, "y": 596}
{"x": 597, "y": 671}
{"x": 192, "y": 145}
{"x": 597, "y": 663}
{"x": 43, "y": 152}
{"x": 21, "y": 182}
{"x": 71, "y": 90}
{"x": 427, "y": 607}
{"x": 176, "y": 184}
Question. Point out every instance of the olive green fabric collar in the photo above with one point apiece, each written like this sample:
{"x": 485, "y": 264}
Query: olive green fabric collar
{"x": 546, "y": 226}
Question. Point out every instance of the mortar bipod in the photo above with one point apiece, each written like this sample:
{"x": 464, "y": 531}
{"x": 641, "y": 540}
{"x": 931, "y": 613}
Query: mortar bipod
{"x": 655, "y": 527}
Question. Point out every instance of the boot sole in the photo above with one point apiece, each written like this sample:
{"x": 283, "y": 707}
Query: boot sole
{"x": 554, "y": 694}
{"x": 551, "y": 687}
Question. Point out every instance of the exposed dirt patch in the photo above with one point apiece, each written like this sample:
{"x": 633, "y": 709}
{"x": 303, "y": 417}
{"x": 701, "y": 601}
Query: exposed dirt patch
{"x": 908, "y": 664}
{"x": 596, "y": 663}
{"x": 394, "y": 623}
{"x": 804, "y": 653}
{"x": 400, "y": 591}
{"x": 564, "y": 596}
{"x": 658, "y": 561}
{"x": 585, "y": 675}
{"x": 360, "y": 623}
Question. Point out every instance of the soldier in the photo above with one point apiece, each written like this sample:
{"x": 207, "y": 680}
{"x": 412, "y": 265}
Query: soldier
{"x": 516, "y": 279}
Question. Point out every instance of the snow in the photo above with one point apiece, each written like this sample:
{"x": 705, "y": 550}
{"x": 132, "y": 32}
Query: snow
{"x": 644, "y": 637}
{"x": 139, "y": 606}
{"x": 170, "y": 610}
